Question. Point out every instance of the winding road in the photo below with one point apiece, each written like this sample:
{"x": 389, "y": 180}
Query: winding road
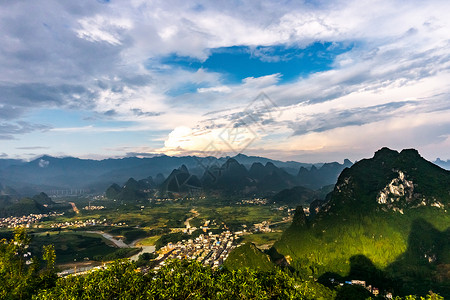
{"x": 118, "y": 243}
{"x": 196, "y": 214}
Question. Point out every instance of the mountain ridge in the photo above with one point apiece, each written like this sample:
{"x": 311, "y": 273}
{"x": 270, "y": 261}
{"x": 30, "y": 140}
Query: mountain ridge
{"x": 388, "y": 213}
{"x": 47, "y": 173}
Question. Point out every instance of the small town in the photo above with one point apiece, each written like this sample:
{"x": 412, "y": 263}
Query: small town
{"x": 254, "y": 201}
{"x": 25, "y": 221}
{"x": 210, "y": 249}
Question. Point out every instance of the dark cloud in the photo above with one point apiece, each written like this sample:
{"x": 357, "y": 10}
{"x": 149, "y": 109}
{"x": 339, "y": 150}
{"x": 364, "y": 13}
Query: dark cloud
{"x": 3, "y": 155}
{"x": 350, "y": 117}
{"x": 46, "y": 64}
{"x": 9, "y": 112}
{"x": 138, "y": 112}
{"x": 137, "y": 80}
{"x": 110, "y": 113}
{"x": 39, "y": 94}
{"x": 9, "y": 130}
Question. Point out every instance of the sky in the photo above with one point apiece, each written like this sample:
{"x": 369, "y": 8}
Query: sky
{"x": 310, "y": 81}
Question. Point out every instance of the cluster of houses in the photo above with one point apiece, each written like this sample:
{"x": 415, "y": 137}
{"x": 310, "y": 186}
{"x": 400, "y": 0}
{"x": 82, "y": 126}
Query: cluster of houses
{"x": 209, "y": 249}
{"x": 254, "y": 201}
{"x": 375, "y": 291}
{"x": 161, "y": 200}
{"x": 93, "y": 207}
{"x": 25, "y": 221}
{"x": 83, "y": 223}
{"x": 264, "y": 226}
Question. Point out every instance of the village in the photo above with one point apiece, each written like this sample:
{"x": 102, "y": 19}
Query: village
{"x": 25, "y": 221}
{"x": 209, "y": 249}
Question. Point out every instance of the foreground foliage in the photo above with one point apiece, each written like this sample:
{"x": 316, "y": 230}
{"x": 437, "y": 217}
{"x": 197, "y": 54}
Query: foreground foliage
{"x": 21, "y": 274}
{"x": 182, "y": 279}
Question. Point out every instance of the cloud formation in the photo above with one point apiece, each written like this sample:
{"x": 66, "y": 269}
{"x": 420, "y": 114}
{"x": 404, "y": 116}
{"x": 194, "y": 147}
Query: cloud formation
{"x": 105, "y": 62}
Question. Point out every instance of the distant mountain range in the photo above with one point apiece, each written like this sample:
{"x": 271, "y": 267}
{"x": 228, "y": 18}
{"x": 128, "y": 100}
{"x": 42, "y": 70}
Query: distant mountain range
{"x": 234, "y": 178}
{"x": 442, "y": 163}
{"x": 48, "y": 173}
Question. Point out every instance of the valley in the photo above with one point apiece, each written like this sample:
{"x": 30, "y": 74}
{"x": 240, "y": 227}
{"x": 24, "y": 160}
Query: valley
{"x": 383, "y": 226}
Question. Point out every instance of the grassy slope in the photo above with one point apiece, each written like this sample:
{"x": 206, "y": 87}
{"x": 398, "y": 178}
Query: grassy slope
{"x": 250, "y": 256}
{"x": 411, "y": 247}
{"x": 329, "y": 245}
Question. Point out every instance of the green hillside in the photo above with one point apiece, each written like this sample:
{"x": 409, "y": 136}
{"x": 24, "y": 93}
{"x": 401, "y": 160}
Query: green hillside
{"x": 250, "y": 256}
{"x": 296, "y": 196}
{"x": 388, "y": 217}
{"x": 25, "y": 206}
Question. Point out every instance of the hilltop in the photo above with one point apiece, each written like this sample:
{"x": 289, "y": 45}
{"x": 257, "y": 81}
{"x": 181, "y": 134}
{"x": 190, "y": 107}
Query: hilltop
{"x": 386, "y": 222}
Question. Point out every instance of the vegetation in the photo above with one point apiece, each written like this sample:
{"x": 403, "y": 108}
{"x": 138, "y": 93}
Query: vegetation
{"x": 78, "y": 246}
{"x": 23, "y": 276}
{"x": 296, "y": 196}
{"x": 262, "y": 239}
{"x": 184, "y": 280}
{"x": 401, "y": 245}
{"x": 150, "y": 241}
{"x": 22, "y": 273}
{"x": 249, "y": 256}
{"x": 25, "y": 206}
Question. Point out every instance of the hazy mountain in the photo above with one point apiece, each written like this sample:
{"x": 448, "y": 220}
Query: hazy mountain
{"x": 325, "y": 175}
{"x": 4, "y": 163}
{"x": 180, "y": 181}
{"x": 229, "y": 178}
{"x": 296, "y": 196}
{"x": 289, "y": 166}
{"x": 7, "y": 191}
{"x": 43, "y": 199}
{"x": 233, "y": 177}
{"x": 442, "y": 163}
{"x": 132, "y": 191}
{"x": 48, "y": 173}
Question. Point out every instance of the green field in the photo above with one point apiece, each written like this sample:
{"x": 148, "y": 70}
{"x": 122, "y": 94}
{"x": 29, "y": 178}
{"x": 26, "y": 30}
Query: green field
{"x": 262, "y": 240}
{"x": 147, "y": 225}
{"x": 236, "y": 216}
{"x": 150, "y": 241}
{"x": 76, "y": 246}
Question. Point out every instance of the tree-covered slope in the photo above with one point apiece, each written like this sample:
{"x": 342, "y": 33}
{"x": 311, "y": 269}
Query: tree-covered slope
{"x": 250, "y": 256}
{"x": 296, "y": 196}
{"x": 392, "y": 210}
{"x": 390, "y": 181}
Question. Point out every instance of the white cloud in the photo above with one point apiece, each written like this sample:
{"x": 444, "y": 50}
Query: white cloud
{"x": 43, "y": 163}
{"x": 100, "y": 28}
{"x": 215, "y": 89}
{"x": 105, "y": 58}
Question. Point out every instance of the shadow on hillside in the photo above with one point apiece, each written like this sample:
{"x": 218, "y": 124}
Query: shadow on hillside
{"x": 425, "y": 265}
{"x": 278, "y": 259}
{"x": 361, "y": 268}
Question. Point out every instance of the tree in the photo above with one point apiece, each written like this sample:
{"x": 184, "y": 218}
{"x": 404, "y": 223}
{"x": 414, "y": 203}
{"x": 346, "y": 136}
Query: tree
{"x": 20, "y": 273}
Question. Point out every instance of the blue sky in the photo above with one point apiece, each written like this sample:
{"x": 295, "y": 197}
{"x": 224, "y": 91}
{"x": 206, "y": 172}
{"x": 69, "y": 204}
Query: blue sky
{"x": 236, "y": 63}
{"x": 310, "y": 81}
